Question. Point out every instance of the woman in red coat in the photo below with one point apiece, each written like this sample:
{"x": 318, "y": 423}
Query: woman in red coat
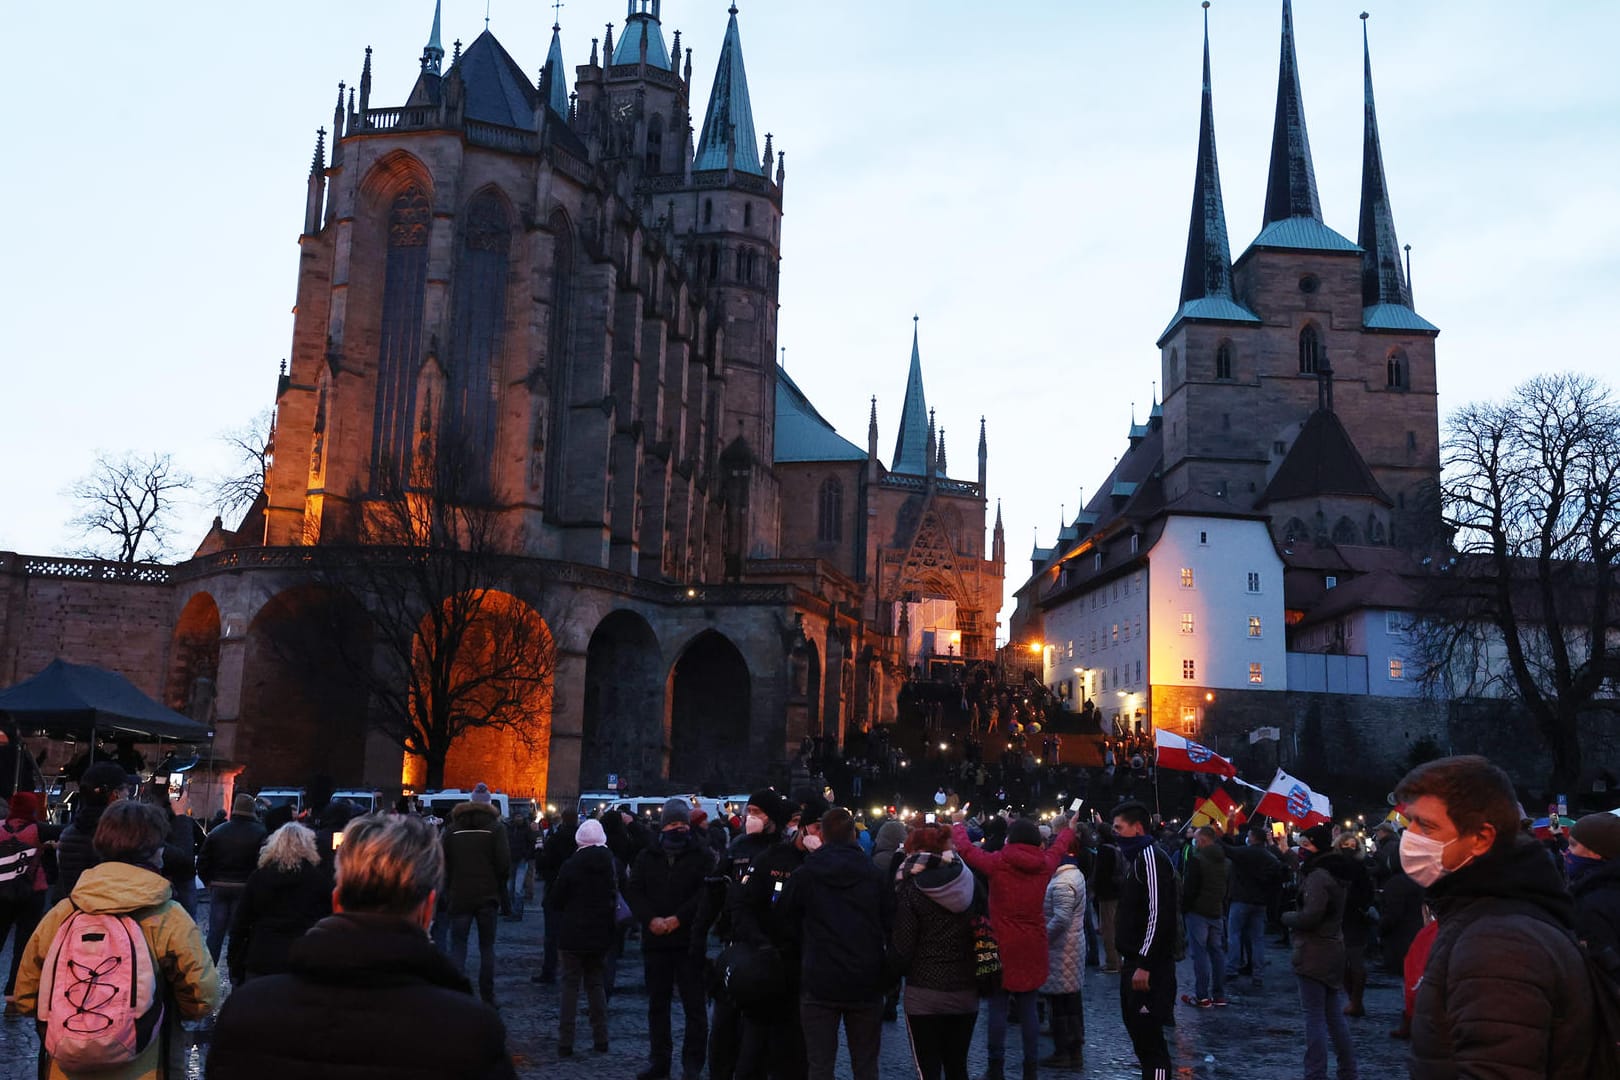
{"x": 1017, "y": 876}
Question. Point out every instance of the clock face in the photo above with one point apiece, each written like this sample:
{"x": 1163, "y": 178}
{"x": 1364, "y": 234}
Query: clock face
{"x": 623, "y": 108}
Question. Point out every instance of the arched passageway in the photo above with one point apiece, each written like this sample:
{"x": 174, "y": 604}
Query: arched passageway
{"x": 709, "y": 714}
{"x": 194, "y": 658}
{"x": 623, "y": 730}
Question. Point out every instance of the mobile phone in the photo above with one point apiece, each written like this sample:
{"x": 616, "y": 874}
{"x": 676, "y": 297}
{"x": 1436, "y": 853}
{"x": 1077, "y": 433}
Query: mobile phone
{"x": 928, "y": 819}
{"x": 1074, "y": 807}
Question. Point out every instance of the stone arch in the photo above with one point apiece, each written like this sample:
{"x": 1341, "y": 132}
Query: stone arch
{"x": 710, "y": 713}
{"x": 1296, "y": 530}
{"x": 302, "y": 712}
{"x": 1310, "y": 349}
{"x": 393, "y": 172}
{"x": 622, "y": 726}
{"x": 194, "y": 657}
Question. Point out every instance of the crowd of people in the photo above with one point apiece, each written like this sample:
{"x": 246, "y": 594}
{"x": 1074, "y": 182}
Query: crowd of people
{"x": 792, "y": 923}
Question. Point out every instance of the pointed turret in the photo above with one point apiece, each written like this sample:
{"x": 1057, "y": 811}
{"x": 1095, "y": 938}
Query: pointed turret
{"x": 1207, "y": 271}
{"x": 554, "y": 76}
{"x": 930, "y": 449}
{"x": 872, "y": 444}
{"x": 998, "y": 539}
{"x": 984, "y": 458}
{"x": 727, "y": 140}
{"x": 1291, "y": 185}
{"x": 315, "y": 198}
{"x": 365, "y": 84}
{"x": 909, "y": 448}
{"x": 642, "y": 34}
{"x": 1382, "y": 279}
{"x": 433, "y": 53}
{"x": 939, "y": 457}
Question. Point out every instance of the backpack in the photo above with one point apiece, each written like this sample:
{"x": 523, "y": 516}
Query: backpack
{"x": 18, "y": 860}
{"x": 99, "y": 996}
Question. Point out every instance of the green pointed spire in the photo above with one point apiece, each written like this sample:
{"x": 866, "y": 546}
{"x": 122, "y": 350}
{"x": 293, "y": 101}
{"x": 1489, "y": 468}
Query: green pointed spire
{"x": 433, "y": 54}
{"x": 554, "y": 79}
{"x": 728, "y": 123}
{"x": 911, "y": 444}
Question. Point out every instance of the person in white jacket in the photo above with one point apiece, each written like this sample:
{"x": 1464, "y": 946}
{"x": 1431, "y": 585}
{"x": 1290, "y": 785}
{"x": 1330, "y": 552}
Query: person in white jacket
{"x": 1065, "y": 912}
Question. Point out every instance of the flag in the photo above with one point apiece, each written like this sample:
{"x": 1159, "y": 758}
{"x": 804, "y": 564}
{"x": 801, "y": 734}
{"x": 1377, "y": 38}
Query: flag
{"x": 1215, "y": 811}
{"x": 1288, "y": 799}
{"x": 1175, "y": 752}
{"x": 1396, "y": 817}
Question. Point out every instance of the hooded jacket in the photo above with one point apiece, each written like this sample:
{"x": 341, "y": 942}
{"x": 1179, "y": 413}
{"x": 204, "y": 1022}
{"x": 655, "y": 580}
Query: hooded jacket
{"x": 231, "y": 851}
{"x": 586, "y": 900}
{"x": 886, "y": 853}
{"x": 1017, "y": 877}
{"x": 1318, "y": 925}
{"x": 933, "y": 924}
{"x": 1065, "y": 911}
{"x": 1505, "y": 993}
{"x": 177, "y": 946}
{"x": 477, "y": 858}
{"x": 365, "y": 996}
{"x": 840, "y": 909}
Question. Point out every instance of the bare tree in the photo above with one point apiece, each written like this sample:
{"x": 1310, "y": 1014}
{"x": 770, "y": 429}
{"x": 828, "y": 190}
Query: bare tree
{"x": 127, "y": 500}
{"x": 444, "y": 650}
{"x": 234, "y": 490}
{"x": 1531, "y": 491}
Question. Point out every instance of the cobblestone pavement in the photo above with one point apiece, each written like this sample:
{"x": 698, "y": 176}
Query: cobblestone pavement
{"x": 1259, "y": 1037}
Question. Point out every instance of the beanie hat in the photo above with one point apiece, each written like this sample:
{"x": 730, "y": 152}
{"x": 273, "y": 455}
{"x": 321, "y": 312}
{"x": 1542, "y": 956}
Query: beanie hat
{"x": 1600, "y": 833}
{"x": 1024, "y": 831}
{"x": 590, "y": 834}
{"x": 676, "y": 812}
{"x": 25, "y": 805}
{"x": 244, "y": 806}
{"x": 699, "y": 818}
{"x": 1320, "y": 836}
{"x": 104, "y": 777}
{"x": 811, "y": 808}
{"x": 480, "y": 793}
{"x": 775, "y": 807}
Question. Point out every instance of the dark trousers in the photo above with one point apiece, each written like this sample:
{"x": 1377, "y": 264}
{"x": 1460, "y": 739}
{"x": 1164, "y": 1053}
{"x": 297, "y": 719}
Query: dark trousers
{"x": 548, "y": 961}
{"x": 1068, "y": 1013}
{"x": 939, "y": 1044}
{"x": 23, "y": 916}
{"x": 725, "y": 1039}
{"x": 669, "y": 971}
{"x": 771, "y": 1049}
{"x": 575, "y": 966}
{"x": 1029, "y": 1026}
{"x": 863, "y": 1030}
{"x": 1145, "y": 1015}
{"x": 461, "y": 924}
{"x": 222, "y": 902}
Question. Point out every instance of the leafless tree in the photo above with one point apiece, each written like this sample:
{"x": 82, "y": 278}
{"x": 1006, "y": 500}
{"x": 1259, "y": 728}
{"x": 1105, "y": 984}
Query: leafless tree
{"x": 126, "y": 502}
{"x": 1531, "y": 491}
{"x": 234, "y": 490}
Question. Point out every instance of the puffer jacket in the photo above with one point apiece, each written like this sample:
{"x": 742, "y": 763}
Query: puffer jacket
{"x": 74, "y": 851}
{"x": 1318, "y": 925}
{"x": 477, "y": 857}
{"x": 230, "y": 854}
{"x": 188, "y": 974}
{"x": 1017, "y": 876}
{"x": 1505, "y": 993}
{"x": 278, "y": 905}
{"x": 1203, "y": 887}
{"x": 933, "y": 923}
{"x": 1597, "y": 905}
{"x": 1065, "y": 912}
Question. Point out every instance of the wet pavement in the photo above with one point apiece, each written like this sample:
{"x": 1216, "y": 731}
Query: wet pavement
{"x": 1258, "y": 1037}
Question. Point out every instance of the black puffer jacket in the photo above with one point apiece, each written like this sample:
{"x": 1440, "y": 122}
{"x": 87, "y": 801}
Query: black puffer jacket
{"x": 840, "y": 909}
{"x": 231, "y": 852}
{"x": 74, "y": 851}
{"x": 584, "y": 901}
{"x": 1505, "y": 993}
{"x": 365, "y": 996}
{"x": 1257, "y": 874}
{"x": 277, "y": 907}
{"x": 1597, "y": 905}
{"x": 1318, "y": 925}
{"x": 477, "y": 858}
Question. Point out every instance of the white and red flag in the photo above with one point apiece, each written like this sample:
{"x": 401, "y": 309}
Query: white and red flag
{"x": 1288, "y": 799}
{"x": 1177, "y": 752}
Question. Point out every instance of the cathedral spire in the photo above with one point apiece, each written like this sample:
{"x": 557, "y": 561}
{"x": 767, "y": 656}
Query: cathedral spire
{"x": 913, "y": 434}
{"x": 365, "y": 84}
{"x": 642, "y": 35}
{"x": 930, "y": 450}
{"x": 984, "y": 458}
{"x": 554, "y": 76}
{"x": 939, "y": 460}
{"x": 433, "y": 53}
{"x": 727, "y": 140}
{"x": 1208, "y": 269}
{"x": 1291, "y": 184}
{"x": 1382, "y": 279}
{"x": 315, "y": 198}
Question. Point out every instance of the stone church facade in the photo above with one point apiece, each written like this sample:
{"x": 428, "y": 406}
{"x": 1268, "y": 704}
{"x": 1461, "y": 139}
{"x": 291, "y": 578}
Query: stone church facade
{"x": 574, "y": 283}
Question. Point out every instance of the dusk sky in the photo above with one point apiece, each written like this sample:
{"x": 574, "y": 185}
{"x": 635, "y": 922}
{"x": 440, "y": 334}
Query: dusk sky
{"x": 1017, "y": 174}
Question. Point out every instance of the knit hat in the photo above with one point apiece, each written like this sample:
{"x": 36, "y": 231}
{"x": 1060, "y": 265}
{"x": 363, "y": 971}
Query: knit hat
{"x": 1600, "y": 833}
{"x": 699, "y": 818}
{"x": 590, "y": 834}
{"x": 1024, "y": 831}
{"x": 104, "y": 777}
{"x": 480, "y": 793}
{"x": 1320, "y": 836}
{"x": 677, "y": 811}
{"x": 25, "y": 805}
{"x": 811, "y": 808}
{"x": 244, "y": 806}
{"x": 775, "y": 807}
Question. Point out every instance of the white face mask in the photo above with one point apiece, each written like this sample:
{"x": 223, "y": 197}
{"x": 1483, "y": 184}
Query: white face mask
{"x": 1422, "y": 857}
{"x": 753, "y": 824}
{"x": 811, "y": 841}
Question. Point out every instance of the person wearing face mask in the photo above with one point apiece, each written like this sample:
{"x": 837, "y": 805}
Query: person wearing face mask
{"x": 1593, "y": 867}
{"x": 1318, "y": 935}
{"x": 1505, "y": 993}
{"x": 664, "y": 892}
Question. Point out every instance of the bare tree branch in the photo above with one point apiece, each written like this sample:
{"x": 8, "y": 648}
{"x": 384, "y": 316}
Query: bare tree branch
{"x": 127, "y": 499}
{"x": 234, "y": 490}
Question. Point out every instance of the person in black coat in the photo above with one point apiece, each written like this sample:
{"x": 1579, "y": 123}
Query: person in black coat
{"x": 102, "y": 784}
{"x": 1592, "y": 866}
{"x": 228, "y": 856}
{"x": 664, "y": 892}
{"x": 288, "y": 893}
{"x": 584, "y": 904}
{"x": 366, "y": 991}
{"x": 559, "y": 845}
{"x": 1400, "y": 917}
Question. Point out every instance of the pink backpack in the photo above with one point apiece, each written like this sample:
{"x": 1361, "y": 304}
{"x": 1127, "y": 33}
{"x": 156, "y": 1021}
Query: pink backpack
{"x": 99, "y": 997}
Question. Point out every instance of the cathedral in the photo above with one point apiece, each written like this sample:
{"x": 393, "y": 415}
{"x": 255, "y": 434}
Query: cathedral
{"x": 569, "y": 285}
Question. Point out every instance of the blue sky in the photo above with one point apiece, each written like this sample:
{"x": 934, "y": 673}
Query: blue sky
{"x": 1018, "y": 175}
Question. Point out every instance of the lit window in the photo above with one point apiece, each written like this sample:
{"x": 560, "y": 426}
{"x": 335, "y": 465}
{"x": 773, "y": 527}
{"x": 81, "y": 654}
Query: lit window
{"x": 1189, "y": 669}
{"x": 1331, "y": 582}
{"x": 1186, "y": 577}
{"x": 1397, "y": 668}
{"x": 1256, "y": 675}
{"x": 1116, "y": 633}
{"x": 1189, "y": 719}
{"x": 1186, "y": 622}
{"x": 1071, "y": 651}
{"x": 1254, "y": 581}
{"x": 1254, "y": 626}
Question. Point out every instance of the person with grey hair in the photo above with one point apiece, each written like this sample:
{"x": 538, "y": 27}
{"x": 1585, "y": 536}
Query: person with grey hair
{"x": 364, "y": 975}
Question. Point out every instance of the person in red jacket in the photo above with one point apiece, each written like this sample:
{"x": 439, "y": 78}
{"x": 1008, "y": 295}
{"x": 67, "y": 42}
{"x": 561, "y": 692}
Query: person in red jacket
{"x": 1017, "y": 876}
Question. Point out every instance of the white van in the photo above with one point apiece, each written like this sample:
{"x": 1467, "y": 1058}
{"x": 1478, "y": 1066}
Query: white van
{"x": 271, "y": 797}
{"x": 440, "y": 803}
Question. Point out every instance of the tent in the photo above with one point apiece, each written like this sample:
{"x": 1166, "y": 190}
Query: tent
{"x": 80, "y": 700}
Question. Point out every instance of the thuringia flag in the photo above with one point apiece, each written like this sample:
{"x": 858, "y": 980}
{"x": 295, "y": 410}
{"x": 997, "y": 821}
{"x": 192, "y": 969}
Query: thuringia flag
{"x": 1176, "y": 752}
{"x": 1288, "y": 799}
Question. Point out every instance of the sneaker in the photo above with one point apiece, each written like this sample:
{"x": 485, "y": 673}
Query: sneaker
{"x": 1202, "y": 1003}
{"x": 1221, "y": 1003}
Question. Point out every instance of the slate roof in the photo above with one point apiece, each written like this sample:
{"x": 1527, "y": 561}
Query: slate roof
{"x": 911, "y": 441}
{"x": 1291, "y": 181}
{"x": 1301, "y": 234}
{"x": 1383, "y": 280}
{"x": 1396, "y": 317}
{"x": 628, "y": 50}
{"x": 554, "y": 78}
{"x": 1207, "y": 271}
{"x": 730, "y": 117}
{"x": 802, "y": 434}
{"x": 1322, "y": 461}
{"x": 1210, "y": 309}
{"x": 498, "y": 91}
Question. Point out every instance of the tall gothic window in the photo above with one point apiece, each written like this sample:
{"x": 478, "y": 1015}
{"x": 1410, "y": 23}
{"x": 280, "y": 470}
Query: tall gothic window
{"x": 1223, "y": 361}
{"x": 830, "y": 527}
{"x": 477, "y": 319}
{"x": 655, "y": 145}
{"x": 399, "y": 342}
{"x": 1310, "y": 351}
{"x": 1395, "y": 373}
{"x": 558, "y": 381}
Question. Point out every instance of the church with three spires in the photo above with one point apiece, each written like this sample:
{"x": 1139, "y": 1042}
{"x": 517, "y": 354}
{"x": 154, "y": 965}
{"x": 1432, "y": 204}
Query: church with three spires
{"x": 1247, "y": 564}
{"x": 559, "y": 294}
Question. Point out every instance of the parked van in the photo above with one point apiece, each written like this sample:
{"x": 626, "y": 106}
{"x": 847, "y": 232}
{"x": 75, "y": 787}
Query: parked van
{"x": 440, "y": 803}
{"x": 273, "y": 797}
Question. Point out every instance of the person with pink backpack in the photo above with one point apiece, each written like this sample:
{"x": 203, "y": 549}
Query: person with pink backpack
{"x": 111, "y": 970}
